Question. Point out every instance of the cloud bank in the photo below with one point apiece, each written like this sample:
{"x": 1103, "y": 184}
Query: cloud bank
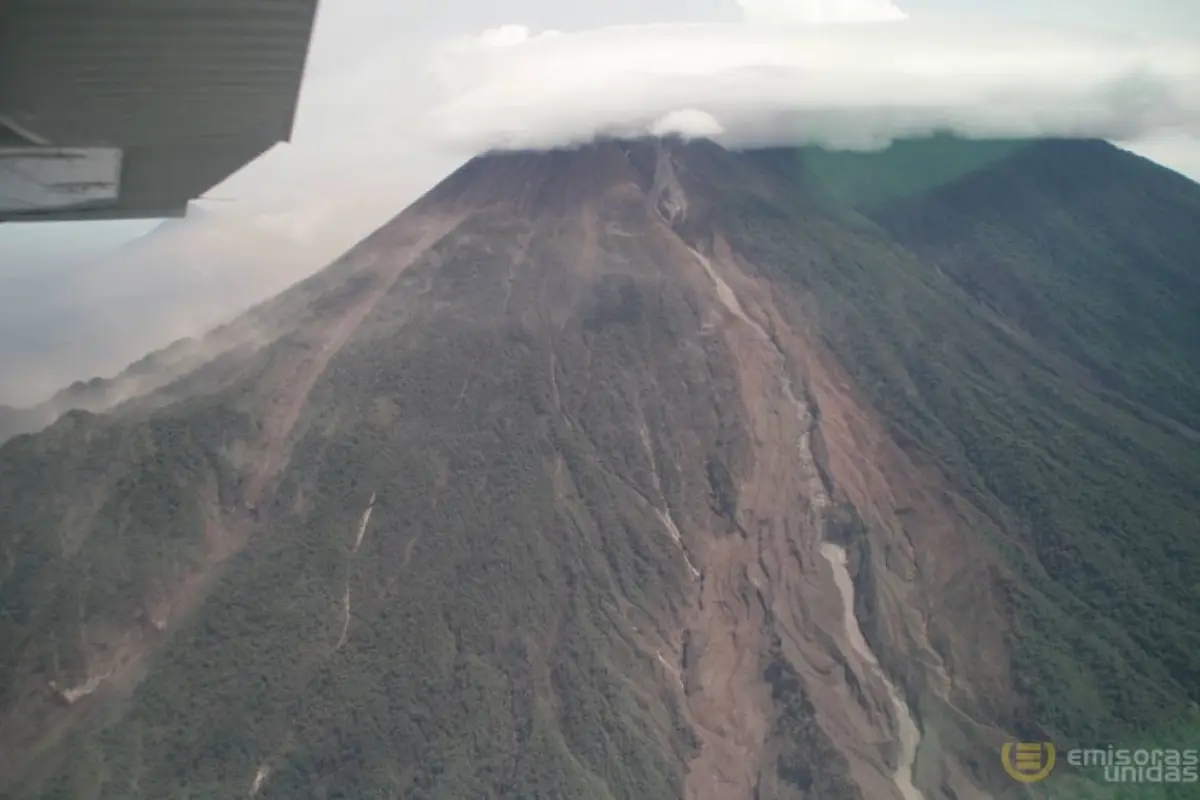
{"x": 98, "y": 315}
{"x": 841, "y": 85}
{"x": 819, "y": 11}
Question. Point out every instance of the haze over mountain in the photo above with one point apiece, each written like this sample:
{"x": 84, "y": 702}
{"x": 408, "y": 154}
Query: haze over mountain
{"x": 91, "y": 316}
{"x": 645, "y": 469}
{"x": 94, "y": 317}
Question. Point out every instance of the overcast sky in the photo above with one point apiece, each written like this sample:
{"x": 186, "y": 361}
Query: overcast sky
{"x": 397, "y": 94}
{"x": 365, "y": 142}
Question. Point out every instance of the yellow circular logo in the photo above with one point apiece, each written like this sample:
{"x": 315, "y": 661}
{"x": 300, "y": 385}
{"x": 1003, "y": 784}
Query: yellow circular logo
{"x": 1028, "y": 762}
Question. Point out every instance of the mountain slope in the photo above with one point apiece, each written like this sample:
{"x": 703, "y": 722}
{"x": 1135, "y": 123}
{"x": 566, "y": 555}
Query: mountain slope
{"x": 629, "y": 471}
{"x": 1088, "y": 256}
{"x": 1097, "y": 486}
{"x": 1089, "y": 249}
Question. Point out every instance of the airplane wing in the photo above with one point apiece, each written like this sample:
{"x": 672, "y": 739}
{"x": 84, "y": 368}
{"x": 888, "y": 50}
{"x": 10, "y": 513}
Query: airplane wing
{"x": 121, "y": 109}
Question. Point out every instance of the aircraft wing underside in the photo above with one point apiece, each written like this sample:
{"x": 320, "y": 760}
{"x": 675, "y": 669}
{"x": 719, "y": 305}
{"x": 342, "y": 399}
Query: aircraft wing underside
{"x": 114, "y": 109}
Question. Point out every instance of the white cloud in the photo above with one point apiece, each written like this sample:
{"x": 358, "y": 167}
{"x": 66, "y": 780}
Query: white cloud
{"x": 819, "y": 11}
{"x": 687, "y": 122}
{"x": 504, "y": 36}
{"x": 843, "y": 85}
{"x": 508, "y": 35}
{"x": 382, "y": 92}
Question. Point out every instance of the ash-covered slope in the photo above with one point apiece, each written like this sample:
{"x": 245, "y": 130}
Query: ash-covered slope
{"x": 633, "y": 471}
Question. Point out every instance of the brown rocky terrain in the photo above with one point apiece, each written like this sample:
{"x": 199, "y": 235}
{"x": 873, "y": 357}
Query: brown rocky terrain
{"x": 561, "y": 484}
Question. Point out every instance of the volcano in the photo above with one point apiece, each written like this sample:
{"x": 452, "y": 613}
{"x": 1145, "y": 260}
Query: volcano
{"x": 646, "y": 469}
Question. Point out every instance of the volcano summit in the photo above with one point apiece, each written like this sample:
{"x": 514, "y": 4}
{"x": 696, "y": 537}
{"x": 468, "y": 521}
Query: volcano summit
{"x": 646, "y": 469}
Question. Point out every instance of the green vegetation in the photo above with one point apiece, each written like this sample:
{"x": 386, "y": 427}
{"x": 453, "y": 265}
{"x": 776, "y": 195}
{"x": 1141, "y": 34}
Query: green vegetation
{"x": 1093, "y": 783}
{"x": 491, "y": 649}
{"x": 1024, "y": 318}
{"x": 1081, "y": 477}
{"x": 807, "y": 760}
{"x": 1090, "y": 250}
{"x": 905, "y": 169}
